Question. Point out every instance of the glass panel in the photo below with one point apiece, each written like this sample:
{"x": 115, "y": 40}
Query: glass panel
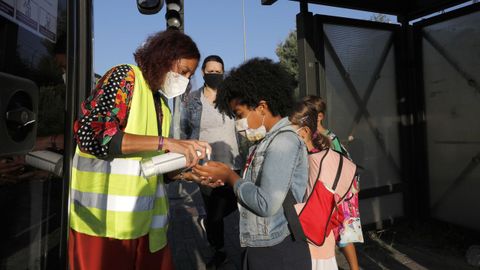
{"x": 360, "y": 52}
{"x": 452, "y": 99}
{"x": 354, "y": 47}
{"x": 33, "y": 48}
{"x": 341, "y": 106}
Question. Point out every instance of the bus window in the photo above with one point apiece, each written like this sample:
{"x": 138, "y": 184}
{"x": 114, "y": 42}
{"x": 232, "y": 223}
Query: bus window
{"x": 33, "y": 49}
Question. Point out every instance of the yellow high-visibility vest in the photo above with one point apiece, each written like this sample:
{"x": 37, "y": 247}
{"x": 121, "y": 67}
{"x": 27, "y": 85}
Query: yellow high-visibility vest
{"x": 112, "y": 198}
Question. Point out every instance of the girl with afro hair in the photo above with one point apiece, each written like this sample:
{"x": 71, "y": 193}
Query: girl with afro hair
{"x": 259, "y": 94}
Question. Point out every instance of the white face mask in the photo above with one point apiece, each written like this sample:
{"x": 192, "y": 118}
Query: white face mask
{"x": 252, "y": 134}
{"x": 300, "y": 135}
{"x": 241, "y": 124}
{"x": 298, "y": 129}
{"x": 174, "y": 85}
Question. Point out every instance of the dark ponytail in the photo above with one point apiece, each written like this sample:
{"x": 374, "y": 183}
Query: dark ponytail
{"x": 306, "y": 116}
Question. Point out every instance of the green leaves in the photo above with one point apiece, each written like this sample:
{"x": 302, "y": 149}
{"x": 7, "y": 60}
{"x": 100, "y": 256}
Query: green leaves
{"x": 287, "y": 53}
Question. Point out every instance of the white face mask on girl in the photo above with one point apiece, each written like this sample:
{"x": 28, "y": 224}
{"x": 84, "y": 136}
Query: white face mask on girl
{"x": 252, "y": 134}
{"x": 174, "y": 85}
{"x": 302, "y": 136}
{"x": 298, "y": 129}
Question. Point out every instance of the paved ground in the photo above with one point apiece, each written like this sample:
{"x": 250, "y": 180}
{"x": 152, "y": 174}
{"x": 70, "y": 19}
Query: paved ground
{"x": 191, "y": 250}
{"x": 188, "y": 240}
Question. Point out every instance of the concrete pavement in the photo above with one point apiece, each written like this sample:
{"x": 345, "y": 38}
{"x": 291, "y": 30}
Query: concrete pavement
{"x": 191, "y": 250}
{"x": 187, "y": 236}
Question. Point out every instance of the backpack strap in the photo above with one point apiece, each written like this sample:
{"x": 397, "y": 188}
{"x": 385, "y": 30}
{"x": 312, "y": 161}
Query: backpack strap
{"x": 288, "y": 205}
{"x": 278, "y": 133}
{"x": 320, "y": 165}
{"x": 292, "y": 217}
{"x": 339, "y": 172}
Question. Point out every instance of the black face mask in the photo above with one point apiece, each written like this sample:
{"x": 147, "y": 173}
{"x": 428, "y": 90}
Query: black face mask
{"x": 213, "y": 80}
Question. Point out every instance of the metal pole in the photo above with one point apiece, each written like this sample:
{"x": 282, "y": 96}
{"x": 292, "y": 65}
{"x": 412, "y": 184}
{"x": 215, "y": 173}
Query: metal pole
{"x": 303, "y": 6}
{"x": 177, "y": 100}
{"x": 244, "y": 32}
{"x": 177, "y": 103}
{"x": 307, "y": 61}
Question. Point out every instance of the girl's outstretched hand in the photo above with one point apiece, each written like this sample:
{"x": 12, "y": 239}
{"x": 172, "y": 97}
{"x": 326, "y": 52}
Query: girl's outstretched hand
{"x": 190, "y": 176}
{"x": 213, "y": 171}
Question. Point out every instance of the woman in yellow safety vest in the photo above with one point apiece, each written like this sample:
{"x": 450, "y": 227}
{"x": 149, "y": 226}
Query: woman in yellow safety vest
{"x": 119, "y": 217}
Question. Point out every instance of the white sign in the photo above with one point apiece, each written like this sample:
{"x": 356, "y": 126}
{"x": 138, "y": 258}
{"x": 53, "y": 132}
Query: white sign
{"x": 38, "y": 16}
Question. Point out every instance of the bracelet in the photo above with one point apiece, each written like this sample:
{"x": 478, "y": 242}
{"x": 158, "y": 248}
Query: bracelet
{"x": 160, "y": 143}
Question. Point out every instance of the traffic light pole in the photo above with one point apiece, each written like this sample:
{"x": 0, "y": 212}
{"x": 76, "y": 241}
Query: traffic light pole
{"x": 175, "y": 19}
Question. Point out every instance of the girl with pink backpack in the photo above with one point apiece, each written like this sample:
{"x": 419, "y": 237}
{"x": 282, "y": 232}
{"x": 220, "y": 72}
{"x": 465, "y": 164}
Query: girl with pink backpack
{"x": 331, "y": 178}
{"x": 350, "y": 230}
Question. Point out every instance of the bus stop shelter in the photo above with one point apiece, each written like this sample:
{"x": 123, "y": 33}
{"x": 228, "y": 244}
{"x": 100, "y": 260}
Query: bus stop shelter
{"x": 404, "y": 98}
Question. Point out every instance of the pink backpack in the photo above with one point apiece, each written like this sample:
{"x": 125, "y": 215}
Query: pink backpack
{"x": 320, "y": 214}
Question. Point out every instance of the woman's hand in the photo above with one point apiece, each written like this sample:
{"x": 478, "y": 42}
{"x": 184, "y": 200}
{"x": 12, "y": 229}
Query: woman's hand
{"x": 188, "y": 148}
{"x": 190, "y": 176}
{"x": 9, "y": 166}
{"x": 13, "y": 169}
{"x": 214, "y": 171}
{"x": 132, "y": 143}
{"x": 55, "y": 141}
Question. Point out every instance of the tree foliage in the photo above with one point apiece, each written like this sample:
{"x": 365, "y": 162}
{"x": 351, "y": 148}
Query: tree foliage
{"x": 378, "y": 17}
{"x": 287, "y": 50}
{"x": 287, "y": 53}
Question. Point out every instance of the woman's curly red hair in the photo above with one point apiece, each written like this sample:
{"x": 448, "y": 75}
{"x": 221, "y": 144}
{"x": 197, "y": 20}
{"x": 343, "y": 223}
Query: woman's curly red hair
{"x": 156, "y": 56}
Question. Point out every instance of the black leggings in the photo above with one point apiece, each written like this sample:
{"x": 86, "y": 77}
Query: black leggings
{"x": 219, "y": 202}
{"x": 286, "y": 255}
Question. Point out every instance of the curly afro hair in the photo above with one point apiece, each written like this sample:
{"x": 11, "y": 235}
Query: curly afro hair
{"x": 256, "y": 80}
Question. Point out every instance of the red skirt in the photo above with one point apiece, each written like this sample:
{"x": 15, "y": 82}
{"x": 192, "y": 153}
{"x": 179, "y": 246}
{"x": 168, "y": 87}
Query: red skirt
{"x": 87, "y": 252}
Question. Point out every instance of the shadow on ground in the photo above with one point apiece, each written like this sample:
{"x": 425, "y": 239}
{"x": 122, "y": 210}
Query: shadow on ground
{"x": 406, "y": 245}
{"x": 187, "y": 238}
{"x": 414, "y": 245}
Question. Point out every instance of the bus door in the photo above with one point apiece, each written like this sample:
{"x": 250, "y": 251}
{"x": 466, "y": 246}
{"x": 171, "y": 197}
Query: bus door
{"x": 33, "y": 68}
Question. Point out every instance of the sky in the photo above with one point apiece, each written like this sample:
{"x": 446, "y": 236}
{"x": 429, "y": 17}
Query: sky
{"x": 215, "y": 25}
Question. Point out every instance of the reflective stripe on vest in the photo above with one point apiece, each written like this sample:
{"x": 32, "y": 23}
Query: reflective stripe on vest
{"x": 159, "y": 221}
{"x": 116, "y": 166}
{"x": 160, "y": 191}
{"x": 112, "y": 202}
{"x": 112, "y": 198}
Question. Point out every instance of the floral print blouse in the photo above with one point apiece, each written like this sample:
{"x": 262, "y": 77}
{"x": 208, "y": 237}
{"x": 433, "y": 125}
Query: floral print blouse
{"x": 104, "y": 113}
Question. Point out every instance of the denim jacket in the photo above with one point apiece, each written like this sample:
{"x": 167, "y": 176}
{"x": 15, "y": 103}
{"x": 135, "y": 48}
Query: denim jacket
{"x": 273, "y": 170}
{"x": 191, "y": 114}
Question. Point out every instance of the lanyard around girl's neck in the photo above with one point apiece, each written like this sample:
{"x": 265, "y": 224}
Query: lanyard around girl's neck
{"x": 249, "y": 161}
